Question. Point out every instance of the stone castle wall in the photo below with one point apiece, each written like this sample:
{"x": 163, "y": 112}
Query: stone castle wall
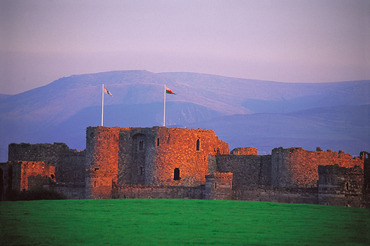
{"x": 276, "y": 194}
{"x": 182, "y": 156}
{"x": 49, "y": 153}
{"x": 296, "y": 167}
{"x": 137, "y": 148}
{"x": 340, "y": 186}
{"x": 219, "y": 186}
{"x": 25, "y": 175}
{"x": 69, "y": 164}
{"x": 153, "y": 191}
{"x": 244, "y": 151}
{"x": 247, "y": 169}
{"x": 162, "y": 162}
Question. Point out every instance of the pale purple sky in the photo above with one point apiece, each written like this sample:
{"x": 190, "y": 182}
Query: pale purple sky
{"x": 287, "y": 41}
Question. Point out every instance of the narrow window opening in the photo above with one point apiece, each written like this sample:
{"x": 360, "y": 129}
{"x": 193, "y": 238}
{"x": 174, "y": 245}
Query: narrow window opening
{"x": 141, "y": 170}
{"x": 176, "y": 174}
{"x": 96, "y": 169}
{"x": 141, "y": 145}
{"x": 157, "y": 141}
{"x": 95, "y": 183}
{"x": 197, "y": 145}
{"x": 346, "y": 186}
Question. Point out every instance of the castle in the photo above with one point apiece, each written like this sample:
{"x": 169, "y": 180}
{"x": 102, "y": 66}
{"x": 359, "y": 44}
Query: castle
{"x": 161, "y": 162}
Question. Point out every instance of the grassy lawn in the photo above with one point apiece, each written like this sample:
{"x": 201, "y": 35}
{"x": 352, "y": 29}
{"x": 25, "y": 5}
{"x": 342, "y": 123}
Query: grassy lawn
{"x": 178, "y": 222}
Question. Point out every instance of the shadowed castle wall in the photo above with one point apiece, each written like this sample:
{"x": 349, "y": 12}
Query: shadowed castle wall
{"x": 247, "y": 169}
{"x": 69, "y": 164}
{"x": 163, "y": 192}
{"x": 137, "y": 148}
{"x": 219, "y": 186}
{"x": 25, "y": 175}
{"x": 340, "y": 186}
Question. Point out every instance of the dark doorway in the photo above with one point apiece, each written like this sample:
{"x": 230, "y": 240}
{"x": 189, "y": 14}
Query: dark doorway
{"x": 176, "y": 174}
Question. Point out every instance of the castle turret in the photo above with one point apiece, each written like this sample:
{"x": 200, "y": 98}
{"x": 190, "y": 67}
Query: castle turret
{"x": 102, "y": 145}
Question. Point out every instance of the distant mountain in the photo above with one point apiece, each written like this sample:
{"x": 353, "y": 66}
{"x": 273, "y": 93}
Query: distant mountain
{"x": 338, "y": 128}
{"x": 241, "y": 111}
{"x": 4, "y": 96}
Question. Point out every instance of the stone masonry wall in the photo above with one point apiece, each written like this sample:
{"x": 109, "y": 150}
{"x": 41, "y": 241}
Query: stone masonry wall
{"x": 340, "y": 186}
{"x": 31, "y": 175}
{"x": 182, "y": 155}
{"x": 137, "y": 148}
{"x": 296, "y": 167}
{"x": 247, "y": 169}
{"x": 163, "y": 192}
{"x": 276, "y": 194}
{"x": 70, "y": 170}
{"x": 244, "y": 151}
{"x": 49, "y": 153}
{"x": 101, "y": 160}
{"x": 219, "y": 186}
{"x": 69, "y": 164}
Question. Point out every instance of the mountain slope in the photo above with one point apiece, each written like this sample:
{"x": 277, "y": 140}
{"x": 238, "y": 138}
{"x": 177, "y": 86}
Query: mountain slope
{"x": 61, "y": 110}
{"x": 339, "y": 128}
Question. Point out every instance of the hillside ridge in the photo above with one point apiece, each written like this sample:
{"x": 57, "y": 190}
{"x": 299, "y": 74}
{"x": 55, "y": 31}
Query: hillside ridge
{"x": 75, "y": 101}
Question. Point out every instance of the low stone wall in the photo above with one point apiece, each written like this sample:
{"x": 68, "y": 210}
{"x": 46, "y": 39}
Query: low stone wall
{"x": 269, "y": 194}
{"x": 71, "y": 191}
{"x": 166, "y": 192}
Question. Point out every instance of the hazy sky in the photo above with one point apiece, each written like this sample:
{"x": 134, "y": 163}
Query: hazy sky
{"x": 288, "y": 41}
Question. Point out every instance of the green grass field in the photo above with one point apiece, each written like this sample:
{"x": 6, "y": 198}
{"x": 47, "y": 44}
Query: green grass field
{"x": 179, "y": 222}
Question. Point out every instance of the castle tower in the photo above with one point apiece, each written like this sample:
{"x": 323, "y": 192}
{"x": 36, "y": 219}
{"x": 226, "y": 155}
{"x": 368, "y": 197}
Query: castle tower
{"x": 166, "y": 156}
{"x": 147, "y": 156}
{"x": 181, "y": 157}
{"x": 101, "y": 161}
{"x": 296, "y": 167}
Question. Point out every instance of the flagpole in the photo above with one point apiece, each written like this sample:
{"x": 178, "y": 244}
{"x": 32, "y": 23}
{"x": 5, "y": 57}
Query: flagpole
{"x": 164, "y": 106}
{"x": 102, "y": 105}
